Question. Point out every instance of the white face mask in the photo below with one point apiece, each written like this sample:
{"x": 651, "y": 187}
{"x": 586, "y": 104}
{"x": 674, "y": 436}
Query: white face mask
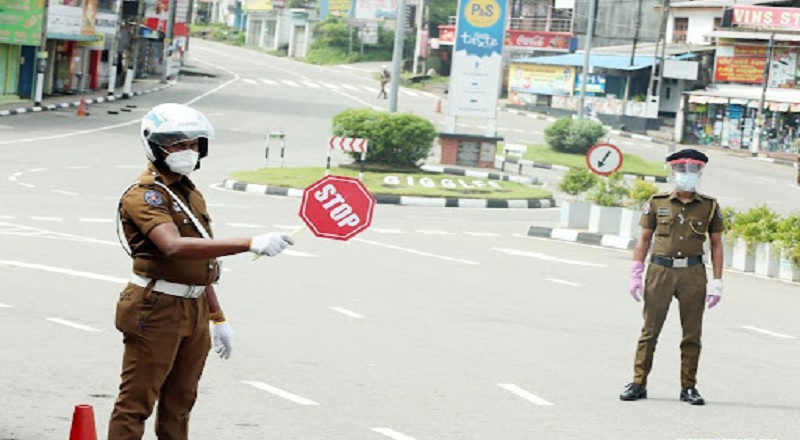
{"x": 182, "y": 162}
{"x": 687, "y": 181}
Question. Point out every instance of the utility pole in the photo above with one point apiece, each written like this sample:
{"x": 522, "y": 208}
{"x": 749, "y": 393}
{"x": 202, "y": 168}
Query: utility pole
{"x": 755, "y": 143}
{"x": 418, "y": 24}
{"x": 657, "y": 70}
{"x": 587, "y": 56}
{"x": 397, "y": 55}
{"x": 126, "y": 89}
{"x": 168, "y": 40}
{"x": 190, "y": 21}
{"x": 112, "y": 55}
{"x": 636, "y": 31}
{"x": 41, "y": 58}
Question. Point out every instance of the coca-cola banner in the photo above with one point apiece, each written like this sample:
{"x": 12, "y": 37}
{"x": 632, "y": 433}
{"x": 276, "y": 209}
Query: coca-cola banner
{"x": 545, "y": 41}
{"x": 447, "y": 34}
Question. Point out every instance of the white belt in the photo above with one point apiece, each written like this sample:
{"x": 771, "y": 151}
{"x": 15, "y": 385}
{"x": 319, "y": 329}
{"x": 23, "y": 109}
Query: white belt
{"x": 174, "y": 289}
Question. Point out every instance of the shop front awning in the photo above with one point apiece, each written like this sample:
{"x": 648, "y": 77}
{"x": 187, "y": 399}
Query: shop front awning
{"x": 597, "y": 61}
{"x": 742, "y": 35}
{"x": 775, "y": 99}
{"x": 73, "y": 37}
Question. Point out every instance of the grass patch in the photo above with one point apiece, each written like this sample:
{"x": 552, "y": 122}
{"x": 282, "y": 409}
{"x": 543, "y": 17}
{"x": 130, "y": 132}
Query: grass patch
{"x": 631, "y": 164}
{"x": 375, "y": 182}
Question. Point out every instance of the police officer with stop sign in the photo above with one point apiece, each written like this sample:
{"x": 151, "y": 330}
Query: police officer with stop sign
{"x": 680, "y": 221}
{"x": 165, "y": 311}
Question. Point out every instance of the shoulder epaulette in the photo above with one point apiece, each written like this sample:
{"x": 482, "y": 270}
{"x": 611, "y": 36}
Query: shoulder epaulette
{"x": 706, "y": 196}
{"x": 661, "y": 195}
{"x": 147, "y": 180}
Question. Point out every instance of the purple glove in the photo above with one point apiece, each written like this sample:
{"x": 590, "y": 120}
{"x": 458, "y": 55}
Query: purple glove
{"x": 714, "y": 293}
{"x": 637, "y": 268}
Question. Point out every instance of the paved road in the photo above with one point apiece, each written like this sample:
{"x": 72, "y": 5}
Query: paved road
{"x": 435, "y": 324}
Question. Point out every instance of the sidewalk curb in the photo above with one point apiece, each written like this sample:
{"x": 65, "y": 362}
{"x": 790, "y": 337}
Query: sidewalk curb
{"x": 403, "y": 200}
{"x": 23, "y": 110}
{"x": 480, "y": 174}
{"x": 574, "y": 235}
{"x": 549, "y": 166}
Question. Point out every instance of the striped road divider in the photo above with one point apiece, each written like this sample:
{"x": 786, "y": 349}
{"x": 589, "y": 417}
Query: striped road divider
{"x": 98, "y": 100}
{"x": 573, "y": 235}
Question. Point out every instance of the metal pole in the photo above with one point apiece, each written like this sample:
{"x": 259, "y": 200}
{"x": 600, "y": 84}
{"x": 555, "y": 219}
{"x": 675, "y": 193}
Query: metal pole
{"x": 636, "y": 32}
{"x": 168, "y": 40}
{"x": 397, "y": 55}
{"x": 418, "y": 24}
{"x": 587, "y": 56}
{"x": 41, "y": 64}
{"x": 755, "y": 144}
{"x": 662, "y": 29}
{"x": 112, "y": 56}
{"x": 126, "y": 89}
{"x": 189, "y": 14}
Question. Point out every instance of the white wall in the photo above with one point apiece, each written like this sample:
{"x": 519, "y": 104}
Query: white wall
{"x": 700, "y": 24}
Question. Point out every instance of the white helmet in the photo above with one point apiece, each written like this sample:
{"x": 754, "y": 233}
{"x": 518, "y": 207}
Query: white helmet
{"x": 167, "y": 124}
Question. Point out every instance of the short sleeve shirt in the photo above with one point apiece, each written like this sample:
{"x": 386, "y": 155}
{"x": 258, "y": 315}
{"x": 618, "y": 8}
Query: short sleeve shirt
{"x": 680, "y": 229}
{"x": 147, "y": 205}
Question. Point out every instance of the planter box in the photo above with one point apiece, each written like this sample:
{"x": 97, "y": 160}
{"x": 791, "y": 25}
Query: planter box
{"x": 629, "y": 223}
{"x": 787, "y": 270}
{"x": 604, "y": 219}
{"x": 744, "y": 256}
{"x": 575, "y": 215}
{"x": 767, "y": 260}
{"x": 727, "y": 251}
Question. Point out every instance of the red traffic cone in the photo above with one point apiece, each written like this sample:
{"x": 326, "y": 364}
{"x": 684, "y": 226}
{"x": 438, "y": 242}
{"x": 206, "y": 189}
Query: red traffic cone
{"x": 83, "y": 423}
{"x": 438, "y": 108}
{"x": 82, "y": 107}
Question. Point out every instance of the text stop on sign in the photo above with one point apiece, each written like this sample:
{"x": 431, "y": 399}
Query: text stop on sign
{"x": 337, "y": 207}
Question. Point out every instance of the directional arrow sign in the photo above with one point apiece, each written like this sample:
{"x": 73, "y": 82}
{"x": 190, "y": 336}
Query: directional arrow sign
{"x": 604, "y": 159}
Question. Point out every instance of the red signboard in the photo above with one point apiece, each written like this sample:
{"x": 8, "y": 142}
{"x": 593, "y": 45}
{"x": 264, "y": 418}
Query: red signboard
{"x": 447, "y": 34}
{"x": 337, "y": 207}
{"x": 538, "y": 39}
{"x": 180, "y": 29}
{"x": 760, "y": 16}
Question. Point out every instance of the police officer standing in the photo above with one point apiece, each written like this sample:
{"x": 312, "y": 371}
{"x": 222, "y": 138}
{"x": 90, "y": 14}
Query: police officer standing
{"x": 385, "y": 77}
{"x": 680, "y": 221}
{"x": 164, "y": 312}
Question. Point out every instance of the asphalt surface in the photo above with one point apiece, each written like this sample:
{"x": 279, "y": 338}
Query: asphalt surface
{"x": 433, "y": 324}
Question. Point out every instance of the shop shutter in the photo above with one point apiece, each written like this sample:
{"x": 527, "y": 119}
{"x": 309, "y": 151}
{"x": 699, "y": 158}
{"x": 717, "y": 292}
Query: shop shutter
{"x": 4, "y": 62}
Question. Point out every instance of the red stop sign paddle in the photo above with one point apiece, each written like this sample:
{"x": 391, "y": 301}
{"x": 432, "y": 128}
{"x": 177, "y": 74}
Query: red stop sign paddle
{"x": 337, "y": 207}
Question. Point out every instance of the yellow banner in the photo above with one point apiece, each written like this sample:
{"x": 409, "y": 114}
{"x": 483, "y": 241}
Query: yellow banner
{"x": 541, "y": 79}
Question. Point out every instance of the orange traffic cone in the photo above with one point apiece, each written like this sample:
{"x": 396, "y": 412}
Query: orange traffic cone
{"x": 82, "y": 107}
{"x": 438, "y": 108}
{"x": 83, "y": 423}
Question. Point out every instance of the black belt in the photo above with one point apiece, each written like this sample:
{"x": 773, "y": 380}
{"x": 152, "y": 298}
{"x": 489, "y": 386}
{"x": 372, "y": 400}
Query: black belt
{"x": 676, "y": 262}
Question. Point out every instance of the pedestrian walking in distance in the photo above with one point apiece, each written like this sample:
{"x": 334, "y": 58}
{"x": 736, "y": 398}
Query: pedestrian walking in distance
{"x": 385, "y": 78}
{"x": 165, "y": 311}
{"x": 680, "y": 221}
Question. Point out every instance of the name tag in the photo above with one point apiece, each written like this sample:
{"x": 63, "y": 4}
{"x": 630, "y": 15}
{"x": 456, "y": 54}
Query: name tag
{"x": 664, "y": 211}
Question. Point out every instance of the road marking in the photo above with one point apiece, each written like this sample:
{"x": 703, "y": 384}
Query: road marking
{"x": 391, "y": 433}
{"x": 72, "y": 324}
{"x": 249, "y": 81}
{"x": 375, "y": 107}
{"x": 96, "y": 220}
{"x": 5, "y": 306}
{"x": 6, "y": 217}
{"x": 548, "y": 257}
{"x": 536, "y": 400}
{"x": 387, "y": 231}
{"x": 557, "y": 281}
{"x": 66, "y": 193}
{"x": 433, "y": 232}
{"x": 27, "y": 185}
{"x": 346, "y": 312}
{"x": 766, "y": 179}
{"x": 36, "y": 170}
{"x": 348, "y": 86}
{"x": 270, "y": 82}
{"x": 12, "y": 178}
{"x": 245, "y": 225}
{"x": 369, "y": 89}
{"x": 794, "y": 186}
{"x": 482, "y": 234}
{"x": 330, "y": 86}
{"x": 280, "y": 393}
{"x": 76, "y": 273}
{"x": 47, "y": 219}
{"x": 416, "y": 252}
{"x": 26, "y": 231}
{"x": 79, "y": 167}
{"x": 290, "y": 83}
{"x": 408, "y": 92}
{"x": 287, "y": 227}
{"x": 298, "y": 254}
{"x": 767, "y": 332}
{"x": 312, "y": 84}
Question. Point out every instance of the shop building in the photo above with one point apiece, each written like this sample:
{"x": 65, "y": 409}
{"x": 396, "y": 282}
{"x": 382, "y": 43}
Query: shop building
{"x": 20, "y": 34}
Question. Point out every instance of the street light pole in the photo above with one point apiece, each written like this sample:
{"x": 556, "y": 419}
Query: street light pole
{"x": 587, "y": 57}
{"x": 41, "y": 64}
{"x": 397, "y": 55}
{"x": 112, "y": 56}
{"x": 755, "y": 143}
{"x": 168, "y": 39}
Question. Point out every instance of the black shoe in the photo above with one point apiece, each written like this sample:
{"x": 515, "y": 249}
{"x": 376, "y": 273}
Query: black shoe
{"x": 633, "y": 391}
{"x": 692, "y": 396}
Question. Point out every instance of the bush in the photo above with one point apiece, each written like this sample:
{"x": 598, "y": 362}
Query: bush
{"x": 756, "y": 225}
{"x": 577, "y": 181}
{"x": 574, "y": 136}
{"x": 729, "y": 219}
{"x": 788, "y": 237}
{"x": 398, "y": 140}
{"x": 610, "y": 191}
{"x": 641, "y": 192}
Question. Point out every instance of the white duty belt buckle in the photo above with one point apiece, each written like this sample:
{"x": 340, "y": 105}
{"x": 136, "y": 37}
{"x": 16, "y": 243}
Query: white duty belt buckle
{"x": 680, "y": 263}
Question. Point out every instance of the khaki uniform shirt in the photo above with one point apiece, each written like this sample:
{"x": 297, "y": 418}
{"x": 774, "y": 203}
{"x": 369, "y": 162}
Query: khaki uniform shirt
{"x": 680, "y": 229}
{"x": 147, "y": 205}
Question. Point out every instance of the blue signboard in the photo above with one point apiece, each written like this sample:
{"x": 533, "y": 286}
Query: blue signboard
{"x": 480, "y": 29}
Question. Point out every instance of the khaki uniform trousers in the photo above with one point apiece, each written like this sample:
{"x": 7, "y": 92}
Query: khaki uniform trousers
{"x": 166, "y": 344}
{"x": 688, "y": 285}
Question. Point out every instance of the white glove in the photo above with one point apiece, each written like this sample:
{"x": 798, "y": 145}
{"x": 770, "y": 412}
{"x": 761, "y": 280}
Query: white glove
{"x": 223, "y": 339}
{"x": 714, "y": 292}
{"x": 270, "y": 244}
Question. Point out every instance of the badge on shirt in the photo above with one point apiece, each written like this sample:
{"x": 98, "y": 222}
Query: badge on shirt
{"x": 153, "y": 198}
{"x": 665, "y": 211}
{"x": 646, "y": 208}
